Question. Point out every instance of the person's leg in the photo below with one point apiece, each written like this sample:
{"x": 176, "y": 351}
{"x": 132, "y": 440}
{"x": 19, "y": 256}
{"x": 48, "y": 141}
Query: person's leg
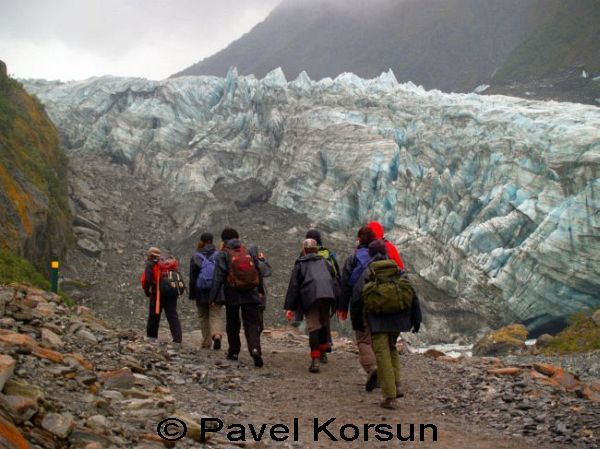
{"x": 366, "y": 356}
{"x": 324, "y": 307}
{"x": 251, "y": 320}
{"x": 203, "y": 316}
{"x": 170, "y": 306}
{"x": 232, "y": 327}
{"x": 385, "y": 370}
{"x": 153, "y": 321}
{"x": 215, "y": 318}
{"x": 313, "y": 327}
{"x": 395, "y": 361}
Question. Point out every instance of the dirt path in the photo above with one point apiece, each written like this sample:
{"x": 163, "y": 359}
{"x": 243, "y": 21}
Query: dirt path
{"x": 238, "y": 393}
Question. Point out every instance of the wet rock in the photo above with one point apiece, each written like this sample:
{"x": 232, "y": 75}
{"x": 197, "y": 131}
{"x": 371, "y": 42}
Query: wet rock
{"x": 7, "y": 368}
{"x": 506, "y": 340}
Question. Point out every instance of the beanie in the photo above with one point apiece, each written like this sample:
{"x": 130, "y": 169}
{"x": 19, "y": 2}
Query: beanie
{"x": 315, "y": 235}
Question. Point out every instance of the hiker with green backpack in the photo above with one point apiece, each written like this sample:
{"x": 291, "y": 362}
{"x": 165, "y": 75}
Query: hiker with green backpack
{"x": 237, "y": 274}
{"x": 384, "y": 302}
{"x": 354, "y": 266}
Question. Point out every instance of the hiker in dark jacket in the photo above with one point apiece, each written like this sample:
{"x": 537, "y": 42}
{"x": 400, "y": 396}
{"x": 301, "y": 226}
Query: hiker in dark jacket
{"x": 167, "y": 302}
{"x": 384, "y": 328}
{"x": 331, "y": 259}
{"x": 311, "y": 294}
{"x": 209, "y": 313}
{"x": 354, "y": 266}
{"x": 240, "y": 298}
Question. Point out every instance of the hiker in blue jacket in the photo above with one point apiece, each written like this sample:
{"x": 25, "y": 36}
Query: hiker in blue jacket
{"x": 202, "y": 266}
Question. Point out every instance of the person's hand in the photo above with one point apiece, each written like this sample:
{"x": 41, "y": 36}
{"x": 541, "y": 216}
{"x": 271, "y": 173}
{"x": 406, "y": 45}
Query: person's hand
{"x": 342, "y": 314}
{"x": 416, "y": 328}
{"x": 289, "y": 315}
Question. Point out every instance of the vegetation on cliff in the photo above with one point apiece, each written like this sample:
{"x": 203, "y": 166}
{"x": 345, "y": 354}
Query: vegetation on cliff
{"x": 34, "y": 217}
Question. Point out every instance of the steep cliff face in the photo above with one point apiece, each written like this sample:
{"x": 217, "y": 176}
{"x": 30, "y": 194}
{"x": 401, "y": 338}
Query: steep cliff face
{"x": 493, "y": 201}
{"x": 34, "y": 213}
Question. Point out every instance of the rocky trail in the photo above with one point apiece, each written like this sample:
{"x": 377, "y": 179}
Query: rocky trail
{"x": 71, "y": 380}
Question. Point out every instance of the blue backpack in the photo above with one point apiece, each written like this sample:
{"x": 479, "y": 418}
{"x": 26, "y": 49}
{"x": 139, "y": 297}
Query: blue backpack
{"x": 363, "y": 259}
{"x": 207, "y": 270}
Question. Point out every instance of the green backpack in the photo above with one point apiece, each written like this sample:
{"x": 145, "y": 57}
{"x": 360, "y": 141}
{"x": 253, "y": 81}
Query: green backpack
{"x": 386, "y": 291}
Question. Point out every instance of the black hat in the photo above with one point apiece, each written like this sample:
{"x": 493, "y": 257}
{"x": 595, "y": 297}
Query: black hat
{"x": 206, "y": 237}
{"x": 315, "y": 235}
{"x": 229, "y": 234}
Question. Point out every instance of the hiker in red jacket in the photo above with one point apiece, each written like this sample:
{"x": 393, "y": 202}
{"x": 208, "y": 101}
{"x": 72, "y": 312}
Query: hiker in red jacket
{"x": 392, "y": 251}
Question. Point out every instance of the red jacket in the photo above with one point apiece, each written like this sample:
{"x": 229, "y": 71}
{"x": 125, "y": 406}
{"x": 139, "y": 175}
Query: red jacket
{"x": 393, "y": 253}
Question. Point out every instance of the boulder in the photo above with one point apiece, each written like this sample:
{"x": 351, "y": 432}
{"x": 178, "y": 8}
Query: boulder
{"x": 50, "y": 339}
{"x": 544, "y": 340}
{"x": 20, "y": 408}
{"x": 433, "y": 353}
{"x": 11, "y": 437}
{"x": 596, "y": 317}
{"x": 7, "y": 368}
{"x": 89, "y": 247}
{"x": 118, "y": 380}
{"x": 58, "y": 424}
{"x": 504, "y": 341}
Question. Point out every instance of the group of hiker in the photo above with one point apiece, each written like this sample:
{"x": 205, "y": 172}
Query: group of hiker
{"x": 371, "y": 288}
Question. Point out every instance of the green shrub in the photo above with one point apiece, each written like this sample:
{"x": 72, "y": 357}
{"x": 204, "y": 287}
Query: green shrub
{"x": 16, "y": 269}
{"x": 582, "y": 335}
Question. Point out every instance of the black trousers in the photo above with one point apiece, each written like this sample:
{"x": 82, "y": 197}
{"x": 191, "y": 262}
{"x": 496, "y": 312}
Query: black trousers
{"x": 252, "y": 327}
{"x": 169, "y": 305}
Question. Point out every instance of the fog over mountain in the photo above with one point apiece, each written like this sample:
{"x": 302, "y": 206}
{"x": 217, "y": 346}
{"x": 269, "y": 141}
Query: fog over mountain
{"x": 452, "y": 45}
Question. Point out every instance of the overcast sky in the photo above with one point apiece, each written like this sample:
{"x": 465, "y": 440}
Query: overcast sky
{"x": 76, "y": 39}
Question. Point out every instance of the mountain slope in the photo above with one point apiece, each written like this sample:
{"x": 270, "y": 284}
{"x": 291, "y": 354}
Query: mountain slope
{"x": 451, "y": 45}
{"x": 34, "y": 217}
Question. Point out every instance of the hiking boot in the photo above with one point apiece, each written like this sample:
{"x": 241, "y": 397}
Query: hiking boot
{"x": 399, "y": 393}
{"x": 314, "y": 366}
{"x": 232, "y": 357}
{"x": 216, "y": 343}
{"x": 153, "y": 341}
{"x": 389, "y": 403}
{"x": 371, "y": 381}
{"x": 258, "y": 361}
{"x": 323, "y": 358}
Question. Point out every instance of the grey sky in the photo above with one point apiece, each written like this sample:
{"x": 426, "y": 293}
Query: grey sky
{"x": 76, "y": 39}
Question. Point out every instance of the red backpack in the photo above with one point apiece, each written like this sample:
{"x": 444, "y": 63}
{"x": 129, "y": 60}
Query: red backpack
{"x": 243, "y": 273}
{"x": 171, "y": 280}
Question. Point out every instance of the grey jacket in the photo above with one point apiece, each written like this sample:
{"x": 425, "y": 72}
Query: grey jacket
{"x": 311, "y": 279}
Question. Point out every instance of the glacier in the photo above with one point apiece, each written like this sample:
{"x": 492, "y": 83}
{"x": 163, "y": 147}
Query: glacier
{"x": 494, "y": 201}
